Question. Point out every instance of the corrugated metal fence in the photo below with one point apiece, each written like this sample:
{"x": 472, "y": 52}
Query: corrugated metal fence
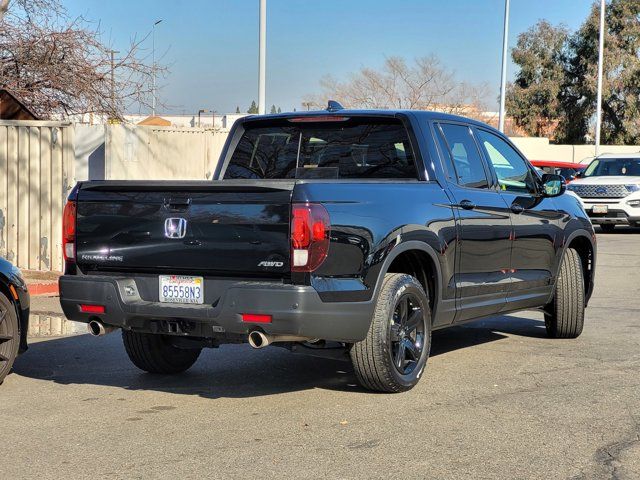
{"x": 41, "y": 161}
{"x": 135, "y": 152}
{"x": 36, "y": 174}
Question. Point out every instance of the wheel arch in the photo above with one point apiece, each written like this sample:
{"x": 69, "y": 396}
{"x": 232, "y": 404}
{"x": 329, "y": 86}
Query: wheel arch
{"x": 419, "y": 260}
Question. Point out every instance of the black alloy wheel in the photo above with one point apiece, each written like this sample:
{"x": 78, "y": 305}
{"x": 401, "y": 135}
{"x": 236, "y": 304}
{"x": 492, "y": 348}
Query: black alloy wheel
{"x": 407, "y": 334}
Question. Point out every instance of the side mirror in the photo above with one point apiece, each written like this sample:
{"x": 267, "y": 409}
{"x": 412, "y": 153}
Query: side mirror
{"x": 553, "y": 185}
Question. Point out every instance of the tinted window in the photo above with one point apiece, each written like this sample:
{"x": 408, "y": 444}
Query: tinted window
{"x": 566, "y": 172}
{"x": 448, "y": 161}
{"x": 511, "y": 169}
{"x": 466, "y": 158}
{"x": 357, "y": 148}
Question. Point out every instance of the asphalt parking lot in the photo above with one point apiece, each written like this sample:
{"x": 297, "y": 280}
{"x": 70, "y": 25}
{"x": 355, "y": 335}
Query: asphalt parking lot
{"x": 499, "y": 400}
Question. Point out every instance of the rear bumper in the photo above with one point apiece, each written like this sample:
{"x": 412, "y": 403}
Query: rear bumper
{"x": 132, "y": 303}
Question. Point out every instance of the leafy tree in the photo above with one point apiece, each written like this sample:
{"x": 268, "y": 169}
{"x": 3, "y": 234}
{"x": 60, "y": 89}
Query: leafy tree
{"x": 237, "y": 109}
{"x": 557, "y": 81}
{"x": 621, "y": 80}
{"x": 253, "y": 108}
{"x": 279, "y": 110}
{"x": 533, "y": 98}
{"x": 273, "y": 109}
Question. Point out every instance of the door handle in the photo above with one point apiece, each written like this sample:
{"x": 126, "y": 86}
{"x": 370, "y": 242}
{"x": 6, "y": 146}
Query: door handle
{"x": 517, "y": 208}
{"x": 467, "y": 205}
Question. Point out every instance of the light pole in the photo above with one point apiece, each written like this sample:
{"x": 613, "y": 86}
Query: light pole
{"x": 262, "y": 58}
{"x": 113, "y": 83}
{"x": 600, "y": 61}
{"x": 503, "y": 78}
{"x": 153, "y": 68}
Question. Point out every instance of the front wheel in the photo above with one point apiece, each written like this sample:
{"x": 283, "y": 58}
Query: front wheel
{"x": 564, "y": 316}
{"x": 9, "y": 336}
{"x": 393, "y": 355}
{"x": 155, "y": 353}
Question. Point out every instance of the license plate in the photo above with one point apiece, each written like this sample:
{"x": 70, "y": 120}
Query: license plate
{"x": 600, "y": 208}
{"x": 181, "y": 289}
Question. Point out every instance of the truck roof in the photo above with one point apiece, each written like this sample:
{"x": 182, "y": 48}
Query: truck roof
{"x": 423, "y": 114}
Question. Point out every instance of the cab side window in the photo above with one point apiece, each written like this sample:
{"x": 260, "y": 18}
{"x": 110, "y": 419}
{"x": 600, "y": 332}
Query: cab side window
{"x": 463, "y": 152}
{"x": 514, "y": 175}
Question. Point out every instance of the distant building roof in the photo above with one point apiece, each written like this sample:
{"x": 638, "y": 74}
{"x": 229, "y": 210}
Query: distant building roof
{"x": 13, "y": 109}
{"x": 155, "y": 122}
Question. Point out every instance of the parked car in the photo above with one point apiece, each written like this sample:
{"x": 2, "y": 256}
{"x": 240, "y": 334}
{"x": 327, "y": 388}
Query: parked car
{"x": 609, "y": 189}
{"x": 14, "y": 316}
{"x": 570, "y": 171}
{"x": 340, "y": 232}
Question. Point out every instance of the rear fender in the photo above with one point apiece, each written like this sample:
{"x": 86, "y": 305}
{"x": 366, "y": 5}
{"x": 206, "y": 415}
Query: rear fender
{"x": 422, "y": 247}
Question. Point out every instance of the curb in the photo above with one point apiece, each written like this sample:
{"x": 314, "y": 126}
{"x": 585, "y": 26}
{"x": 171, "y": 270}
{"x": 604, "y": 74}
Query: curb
{"x": 41, "y": 283}
{"x": 43, "y": 289}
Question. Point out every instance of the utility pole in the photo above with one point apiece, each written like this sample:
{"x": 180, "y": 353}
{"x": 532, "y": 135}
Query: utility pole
{"x": 503, "y": 78}
{"x": 201, "y": 111}
{"x": 153, "y": 68}
{"x": 600, "y": 62}
{"x": 262, "y": 58}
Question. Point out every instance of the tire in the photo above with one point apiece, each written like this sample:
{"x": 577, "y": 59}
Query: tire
{"x": 607, "y": 227}
{"x": 9, "y": 336}
{"x": 395, "y": 337}
{"x": 564, "y": 316}
{"x": 155, "y": 354}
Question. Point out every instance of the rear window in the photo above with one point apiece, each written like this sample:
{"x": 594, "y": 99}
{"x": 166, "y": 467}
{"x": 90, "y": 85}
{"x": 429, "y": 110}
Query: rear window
{"x": 348, "y": 148}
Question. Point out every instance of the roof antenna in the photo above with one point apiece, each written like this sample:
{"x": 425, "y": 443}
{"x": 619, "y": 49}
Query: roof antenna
{"x": 334, "y": 106}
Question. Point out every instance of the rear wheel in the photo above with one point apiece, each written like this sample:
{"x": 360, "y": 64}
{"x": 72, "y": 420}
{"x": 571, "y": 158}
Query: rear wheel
{"x": 394, "y": 353}
{"x": 155, "y": 353}
{"x": 607, "y": 227}
{"x": 9, "y": 336}
{"x": 564, "y": 316}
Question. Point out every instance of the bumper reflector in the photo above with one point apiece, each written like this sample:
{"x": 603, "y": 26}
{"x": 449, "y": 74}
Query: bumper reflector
{"x": 254, "y": 318}
{"x": 92, "y": 308}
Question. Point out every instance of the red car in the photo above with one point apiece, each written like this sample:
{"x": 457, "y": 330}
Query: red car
{"x": 567, "y": 169}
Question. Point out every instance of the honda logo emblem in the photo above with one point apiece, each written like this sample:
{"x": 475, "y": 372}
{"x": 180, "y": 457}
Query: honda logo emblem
{"x": 175, "y": 228}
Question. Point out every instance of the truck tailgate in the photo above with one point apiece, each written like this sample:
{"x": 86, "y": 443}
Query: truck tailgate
{"x": 224, "y": 227}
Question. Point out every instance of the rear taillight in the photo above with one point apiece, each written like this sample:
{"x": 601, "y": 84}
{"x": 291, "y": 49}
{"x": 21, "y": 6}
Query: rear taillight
{"x": 69, "y": 231}
{"x": 310, "y": 229}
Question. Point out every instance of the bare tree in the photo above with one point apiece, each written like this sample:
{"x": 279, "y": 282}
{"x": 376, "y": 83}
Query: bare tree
{"x": 59, "y": 66}
{"x": 424, "y": 85}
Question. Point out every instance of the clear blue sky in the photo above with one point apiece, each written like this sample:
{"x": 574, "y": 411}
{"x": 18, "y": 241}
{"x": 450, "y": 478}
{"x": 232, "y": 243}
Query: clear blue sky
{"x": 212, "y": 45}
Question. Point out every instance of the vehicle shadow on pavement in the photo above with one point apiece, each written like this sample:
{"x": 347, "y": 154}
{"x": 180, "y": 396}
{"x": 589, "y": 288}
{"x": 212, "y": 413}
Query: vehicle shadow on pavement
{"x": 233, "y": 371}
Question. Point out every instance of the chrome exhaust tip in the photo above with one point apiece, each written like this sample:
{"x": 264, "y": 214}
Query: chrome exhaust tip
{"x": 257, "y": 339}
{"x": 98, "y": 329}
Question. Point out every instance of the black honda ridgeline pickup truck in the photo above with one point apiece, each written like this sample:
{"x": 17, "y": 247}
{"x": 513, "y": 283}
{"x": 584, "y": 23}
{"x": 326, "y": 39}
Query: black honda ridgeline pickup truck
{"x": 340, "y": 233}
